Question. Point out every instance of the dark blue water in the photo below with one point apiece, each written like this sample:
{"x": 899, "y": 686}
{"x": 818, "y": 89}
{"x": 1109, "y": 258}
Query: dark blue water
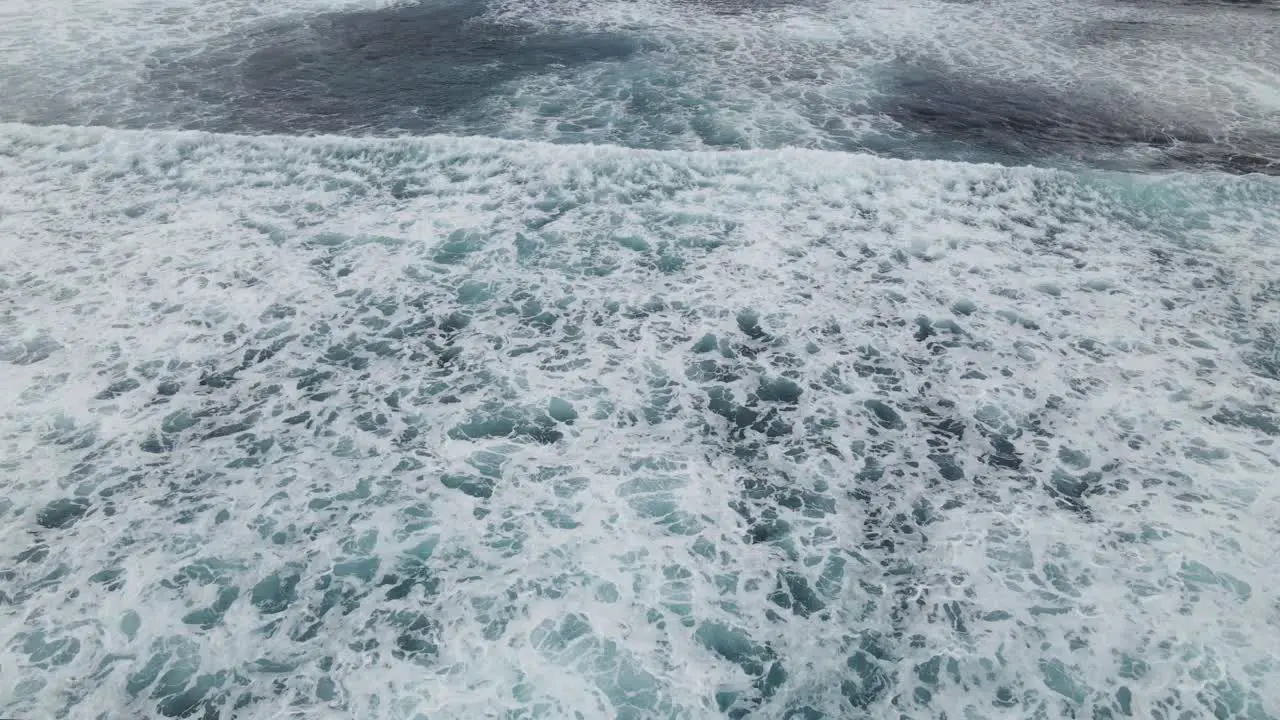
{"x": 450, "y": 67}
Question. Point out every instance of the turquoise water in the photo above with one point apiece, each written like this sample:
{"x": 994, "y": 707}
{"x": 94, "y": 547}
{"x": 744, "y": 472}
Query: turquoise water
{"x": 457, "y": 426}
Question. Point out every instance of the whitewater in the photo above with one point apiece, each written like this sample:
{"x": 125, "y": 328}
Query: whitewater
{"x": 639, "y": 360}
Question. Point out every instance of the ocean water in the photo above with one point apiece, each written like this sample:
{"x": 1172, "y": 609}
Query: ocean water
{"x": 639, "y": 359}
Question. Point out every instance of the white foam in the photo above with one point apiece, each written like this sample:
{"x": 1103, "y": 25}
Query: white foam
{"x": 594, "y": 575}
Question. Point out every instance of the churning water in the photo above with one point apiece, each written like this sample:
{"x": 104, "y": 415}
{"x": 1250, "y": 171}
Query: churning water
{"x": 639, "y": 359}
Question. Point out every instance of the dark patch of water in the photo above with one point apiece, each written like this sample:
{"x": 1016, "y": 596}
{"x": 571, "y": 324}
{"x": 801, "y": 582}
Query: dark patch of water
{"x": 986, "y": 120}
{"x": 380, "y": 71}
